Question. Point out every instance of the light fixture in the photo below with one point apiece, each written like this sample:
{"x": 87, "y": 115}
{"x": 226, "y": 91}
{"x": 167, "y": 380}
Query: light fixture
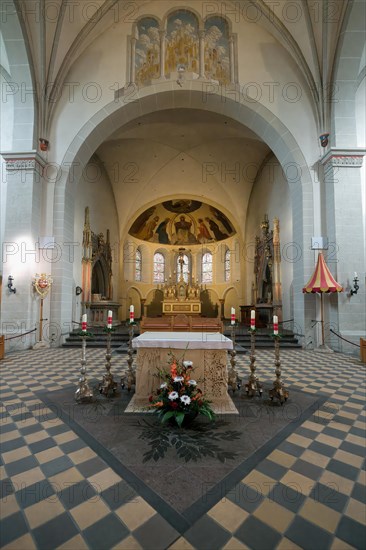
{"x": 78, "y": 290}
{"x": 355, "y": 286}
{"x": 10, "y": 284}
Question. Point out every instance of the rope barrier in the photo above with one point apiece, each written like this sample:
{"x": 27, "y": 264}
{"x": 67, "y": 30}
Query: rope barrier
{"x": 20, "y": 335}
{"x": 345, "y": 339}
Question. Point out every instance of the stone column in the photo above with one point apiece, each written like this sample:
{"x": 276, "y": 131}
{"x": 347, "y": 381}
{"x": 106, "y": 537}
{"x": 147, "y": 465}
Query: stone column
{"x": 276, "y": 270}
{"x": 222, "y": 308}
{"x": 132, "y": 62}
{"x": 22, "y": 257}
{"x": 162, "y": 35}
{"x": 201, "y": 35}
{"x": 143, "y": 303}
{"x": 346, "y": 232}
{"x": 232, "y": 60}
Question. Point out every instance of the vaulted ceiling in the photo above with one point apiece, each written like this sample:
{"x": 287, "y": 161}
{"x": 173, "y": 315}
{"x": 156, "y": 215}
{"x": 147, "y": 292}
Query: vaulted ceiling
{"x": 308, "y": 29}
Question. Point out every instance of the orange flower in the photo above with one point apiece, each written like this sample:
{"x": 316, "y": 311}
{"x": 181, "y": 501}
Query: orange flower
{"x": 158, "y": 404}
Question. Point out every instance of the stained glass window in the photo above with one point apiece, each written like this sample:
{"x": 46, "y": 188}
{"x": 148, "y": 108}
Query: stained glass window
{"x": 227, "y": 266}
{"x": 159, "y": 267}
{"x": 207, "y": 268}
{"x": 138, "y": 264}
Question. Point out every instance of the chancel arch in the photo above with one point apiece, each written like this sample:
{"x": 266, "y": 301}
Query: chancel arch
{"x": 258, "y": 120}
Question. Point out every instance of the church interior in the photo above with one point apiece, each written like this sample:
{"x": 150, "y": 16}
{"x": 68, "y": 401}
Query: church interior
{"x": 183, "y": 182}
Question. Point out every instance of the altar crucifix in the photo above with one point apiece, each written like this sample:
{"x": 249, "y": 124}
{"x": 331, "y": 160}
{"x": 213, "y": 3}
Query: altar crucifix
{"x": 181, "y": 297}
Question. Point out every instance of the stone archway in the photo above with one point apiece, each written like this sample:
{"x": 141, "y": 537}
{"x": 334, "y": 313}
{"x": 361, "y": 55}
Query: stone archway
{"x": 163, "y": 97}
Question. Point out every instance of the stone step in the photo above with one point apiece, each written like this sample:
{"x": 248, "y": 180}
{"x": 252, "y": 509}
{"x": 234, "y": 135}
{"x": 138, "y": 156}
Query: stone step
{"x": 120, "y": 337}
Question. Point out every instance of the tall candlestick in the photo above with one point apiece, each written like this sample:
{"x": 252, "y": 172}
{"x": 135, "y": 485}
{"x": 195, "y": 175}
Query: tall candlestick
{"x": 132, "y": 314}
{"x": 109, "y": 319}
{"x": 275, "y": 324}
{"x": 252, "y": 319}
{"x": 84, "y": 320}
{"x": 233, "y": 316}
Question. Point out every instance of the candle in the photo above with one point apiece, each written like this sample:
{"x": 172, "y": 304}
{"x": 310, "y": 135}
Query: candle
{"x": 233, "y": 316}
{"x": 83, "y": 322}
{"x": 275, "y": 324}
{"x": 355, "y": 274}
{"x": 132, "y": 314}
{"x": 109, "y": 320}
{"x": 252, "y": 319}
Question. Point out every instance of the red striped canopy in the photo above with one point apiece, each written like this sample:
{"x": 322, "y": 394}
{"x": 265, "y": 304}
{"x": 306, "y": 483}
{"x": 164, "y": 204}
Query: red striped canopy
{"x": 322, "y": 279}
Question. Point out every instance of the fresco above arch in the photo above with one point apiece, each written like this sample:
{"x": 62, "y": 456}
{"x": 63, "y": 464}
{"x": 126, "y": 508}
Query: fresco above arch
{"x": 182, "y": 222}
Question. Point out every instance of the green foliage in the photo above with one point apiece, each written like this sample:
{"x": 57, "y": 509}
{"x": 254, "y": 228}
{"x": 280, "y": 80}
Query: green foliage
{"x": 200, "y": 442}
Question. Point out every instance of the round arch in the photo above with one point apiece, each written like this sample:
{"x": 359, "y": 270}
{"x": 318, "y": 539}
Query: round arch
{"x": 204, "y": 96}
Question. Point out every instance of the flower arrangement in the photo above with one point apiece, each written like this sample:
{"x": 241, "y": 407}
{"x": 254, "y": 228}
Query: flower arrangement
{"x": 179, "y": 399}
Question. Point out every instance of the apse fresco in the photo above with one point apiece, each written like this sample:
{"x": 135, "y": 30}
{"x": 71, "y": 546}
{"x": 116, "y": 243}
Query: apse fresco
{"x": 182, "y": 222}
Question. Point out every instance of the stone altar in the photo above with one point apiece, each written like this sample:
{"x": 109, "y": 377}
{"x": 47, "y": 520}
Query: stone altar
{"x": 207, "y": 351}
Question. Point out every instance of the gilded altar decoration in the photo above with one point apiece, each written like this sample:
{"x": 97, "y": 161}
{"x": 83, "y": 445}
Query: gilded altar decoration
{"x": 182, "y": 296}
{"x": 42, "y": 284}
{"x": 179, "y": 399}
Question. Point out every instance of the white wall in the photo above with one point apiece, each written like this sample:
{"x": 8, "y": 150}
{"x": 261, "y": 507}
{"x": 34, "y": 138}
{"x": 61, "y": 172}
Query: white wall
{"x": 94, "y": 190}
{"x": 271, "y": 195}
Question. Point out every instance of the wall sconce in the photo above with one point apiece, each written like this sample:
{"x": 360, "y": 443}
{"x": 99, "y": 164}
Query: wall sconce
{"x": 10, "y": 284}
{"x": 78, "y": 290}
{"x": 355, "y": 286}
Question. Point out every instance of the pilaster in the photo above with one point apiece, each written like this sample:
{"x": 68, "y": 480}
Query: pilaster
{"x": 22, "y": 257}
{"x": 345, "y": 225}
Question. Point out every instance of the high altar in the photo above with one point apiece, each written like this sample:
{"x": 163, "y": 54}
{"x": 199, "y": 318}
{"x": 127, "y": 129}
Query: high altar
{"x": 181, "y": 297}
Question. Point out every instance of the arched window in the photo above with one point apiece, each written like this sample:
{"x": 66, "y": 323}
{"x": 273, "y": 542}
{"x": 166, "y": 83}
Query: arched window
{"x": 159, "y": 267}
{"x": 186, "y": 268}
{"x": 227, "y": 266}
{"x": 207, "y": 267}
{"x": 138, "y": 265}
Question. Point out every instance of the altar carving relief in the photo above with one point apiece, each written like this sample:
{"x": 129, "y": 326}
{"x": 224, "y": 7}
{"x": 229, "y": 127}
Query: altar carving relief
{"x": 146, "y": 381}
{"x": 215, "y": 374}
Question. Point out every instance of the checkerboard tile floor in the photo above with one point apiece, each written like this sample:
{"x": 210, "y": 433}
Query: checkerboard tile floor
{"x": 309, "y": 492}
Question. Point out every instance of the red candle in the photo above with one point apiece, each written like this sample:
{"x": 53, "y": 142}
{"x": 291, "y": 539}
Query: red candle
{"x": 275, "y": 324}
{"x": 83, "y": 322}
{"x": 252, "y": 319}
{"x": 109, "y": 319}
{"x": 233, "y": 316}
